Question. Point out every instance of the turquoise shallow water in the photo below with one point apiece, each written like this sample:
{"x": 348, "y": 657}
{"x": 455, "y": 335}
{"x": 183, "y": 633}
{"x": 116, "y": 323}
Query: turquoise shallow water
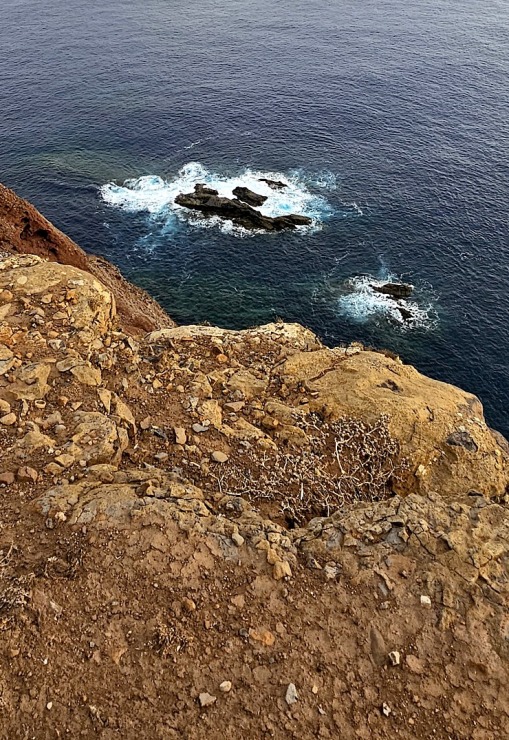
{"x": 389, "y": 122}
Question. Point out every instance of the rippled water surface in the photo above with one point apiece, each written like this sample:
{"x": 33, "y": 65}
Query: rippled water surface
{"x": 388, "y": 120}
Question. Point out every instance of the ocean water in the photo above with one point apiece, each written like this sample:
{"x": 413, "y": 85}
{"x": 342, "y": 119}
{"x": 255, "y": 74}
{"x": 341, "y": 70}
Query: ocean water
{"x": 389, "y": 121}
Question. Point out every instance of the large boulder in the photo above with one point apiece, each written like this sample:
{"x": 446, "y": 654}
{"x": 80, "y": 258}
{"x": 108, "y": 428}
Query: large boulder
{"x": 23, "y": 230}
{"x": 394, "y": 290}
{"x": 440, "y": 429}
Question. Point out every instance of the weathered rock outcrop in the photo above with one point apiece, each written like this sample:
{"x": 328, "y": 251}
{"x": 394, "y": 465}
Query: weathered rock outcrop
{"x": 232, "y": 209}
{"x": 23, "y": 230}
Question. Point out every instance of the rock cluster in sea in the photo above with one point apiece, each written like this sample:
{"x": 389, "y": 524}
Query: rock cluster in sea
{"x": 240, "y": 210}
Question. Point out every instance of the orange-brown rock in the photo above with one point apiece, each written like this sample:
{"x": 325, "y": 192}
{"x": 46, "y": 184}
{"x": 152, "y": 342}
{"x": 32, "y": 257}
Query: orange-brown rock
{"x": 23, "y": 230}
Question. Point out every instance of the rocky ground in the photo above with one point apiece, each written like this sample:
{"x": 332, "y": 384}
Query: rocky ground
{"x": 207, "y": 533}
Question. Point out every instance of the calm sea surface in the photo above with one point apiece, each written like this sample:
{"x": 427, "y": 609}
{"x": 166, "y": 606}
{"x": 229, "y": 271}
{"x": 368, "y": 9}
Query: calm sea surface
{"x": 389, "y": 120}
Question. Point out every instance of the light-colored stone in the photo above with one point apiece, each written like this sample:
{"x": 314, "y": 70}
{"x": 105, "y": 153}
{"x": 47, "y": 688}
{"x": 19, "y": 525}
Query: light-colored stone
{"x": 206, "y": 699}
{"x": 281, "y": 570}
{"x": 125, "y": 413}
{"x": 7, "y": 359}
{"x": 105, "y": 398}
{"x": 30, "y": 382}
{"x": 200, "y": 428}
{"x": 219, "y": 457}
{"x": 395, "y": 657}
{"x": 27, "y": 474}
{"x": 87, "y": 374}
{"x": 180, "y": 435}
{"x": 291, "y": 696}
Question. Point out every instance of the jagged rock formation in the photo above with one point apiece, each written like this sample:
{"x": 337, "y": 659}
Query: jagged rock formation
{"x": 273, "y": 184}
{"x": 249, "y": 197}
{"x": 394, "y": 290}
{"x": 210, "y": 203}
{"x": 203, "y": 519}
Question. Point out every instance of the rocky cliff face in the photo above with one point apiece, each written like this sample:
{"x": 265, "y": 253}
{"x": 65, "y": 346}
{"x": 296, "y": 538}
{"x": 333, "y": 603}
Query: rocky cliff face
{"x": 23, "y": 230}
{"x": 328, "y": 528}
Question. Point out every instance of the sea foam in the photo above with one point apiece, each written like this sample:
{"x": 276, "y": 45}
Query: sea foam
{"x": 361, "y": 304}
{"x": 156, "y": 196}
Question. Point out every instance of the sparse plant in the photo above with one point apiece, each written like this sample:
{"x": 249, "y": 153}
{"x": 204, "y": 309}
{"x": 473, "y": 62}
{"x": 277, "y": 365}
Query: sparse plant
{"x": 345, "y": 461}
{"x": 167, "y": 639}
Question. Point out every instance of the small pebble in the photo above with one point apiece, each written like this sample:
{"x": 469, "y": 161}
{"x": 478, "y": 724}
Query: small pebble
{"x": 425, "y": 601}
{"x": 199, "y": 428}
{"x": 225, "y": 686}
{"x": 395, "y": 657}
{"x": 206, "y": 699}
{"x": 291, "y": 696}
{"x": 219, "y": 457}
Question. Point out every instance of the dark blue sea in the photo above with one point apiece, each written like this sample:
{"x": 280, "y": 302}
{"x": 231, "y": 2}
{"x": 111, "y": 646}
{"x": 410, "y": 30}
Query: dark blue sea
{"x": 387, "y": 119}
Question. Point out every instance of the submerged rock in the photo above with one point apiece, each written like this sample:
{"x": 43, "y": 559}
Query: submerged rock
{"x": 274, "y": 184}
{"x": 233, "y": 209}
{"x": 249, "y": 197}
{"x": 406, "y": 314}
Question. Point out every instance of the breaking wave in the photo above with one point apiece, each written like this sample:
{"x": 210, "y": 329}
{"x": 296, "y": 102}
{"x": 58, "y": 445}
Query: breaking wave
{"x": 154, "y": 195}
{"x": 361, "y": 304}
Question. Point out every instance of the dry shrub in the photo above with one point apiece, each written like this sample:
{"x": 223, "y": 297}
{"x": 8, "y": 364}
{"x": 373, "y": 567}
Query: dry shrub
{"x": 168, "y": 639}
{"x": 344, "y": 462}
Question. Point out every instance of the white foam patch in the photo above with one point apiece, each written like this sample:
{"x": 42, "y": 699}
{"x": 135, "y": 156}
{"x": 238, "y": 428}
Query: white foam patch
{"x": 362, "y": 304}
{"x": 156, "y": 196}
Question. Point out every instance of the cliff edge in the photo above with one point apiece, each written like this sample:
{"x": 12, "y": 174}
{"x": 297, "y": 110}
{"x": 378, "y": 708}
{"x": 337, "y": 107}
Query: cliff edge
{"x": 23, "y": 230}
{"x": 210, "y": 533}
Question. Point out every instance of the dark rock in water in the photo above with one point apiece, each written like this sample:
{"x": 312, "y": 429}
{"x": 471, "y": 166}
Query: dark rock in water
{"x": 249, "y": 197}
{"x": 202, "y": 189}
{"x": 295, "y": 219}
{"x": 394, "y": 290}
{"x": 405, "y": 313}
{"x": 274, "y": 184}
{"x": 232, "y": 209}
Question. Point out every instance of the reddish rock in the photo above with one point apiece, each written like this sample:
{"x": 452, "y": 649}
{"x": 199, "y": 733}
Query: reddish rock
{"x": 23, "y": 230}
{"x": 27, "y": 474}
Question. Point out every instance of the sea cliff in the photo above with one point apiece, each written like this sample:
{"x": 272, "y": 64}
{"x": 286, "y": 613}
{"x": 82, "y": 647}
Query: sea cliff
{"x": 244, "y": 511}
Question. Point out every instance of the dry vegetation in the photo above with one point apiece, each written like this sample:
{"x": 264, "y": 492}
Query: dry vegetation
{"x": 345, "y": 461}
